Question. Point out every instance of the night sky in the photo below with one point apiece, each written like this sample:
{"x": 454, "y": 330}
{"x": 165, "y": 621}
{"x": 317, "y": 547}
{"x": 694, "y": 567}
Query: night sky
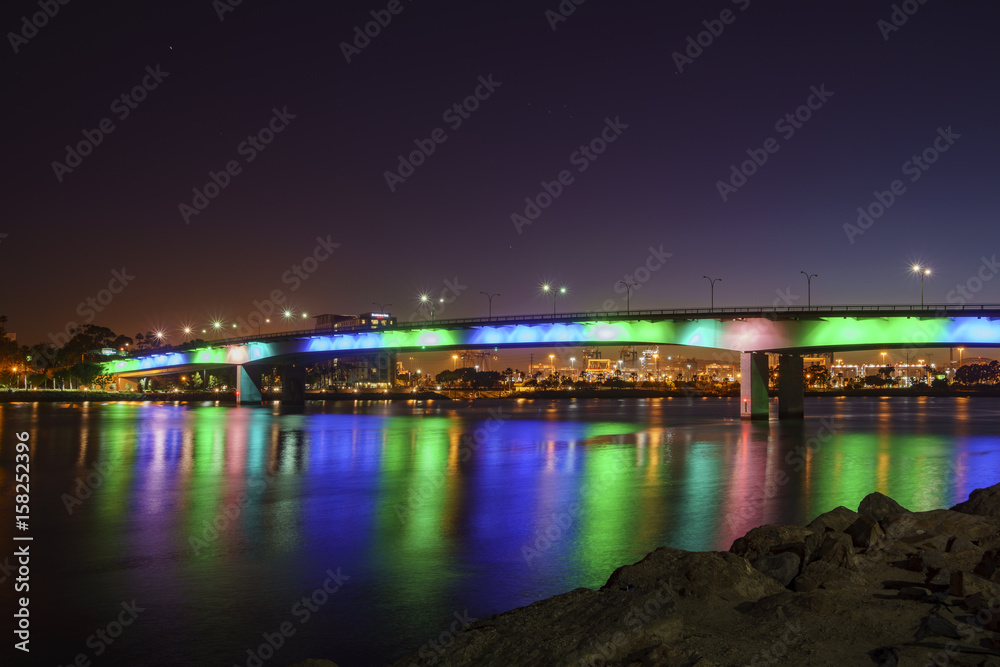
{"x": 669, "y": 119}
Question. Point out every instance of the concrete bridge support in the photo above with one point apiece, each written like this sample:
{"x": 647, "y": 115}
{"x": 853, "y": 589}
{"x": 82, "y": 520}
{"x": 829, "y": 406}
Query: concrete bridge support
{"x": 791, "y": 387}
{"x": 293, "y": 384}
{"x": 753, "y": 385}
{"x": 248, "y": 385}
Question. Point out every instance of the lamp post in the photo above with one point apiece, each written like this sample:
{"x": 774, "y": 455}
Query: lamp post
{"x": 490, "y": 297}
{"x": 382, "y": 307}
{"x": 555, "y": 292}
{"x": 960, "y": 351}
{"x": 711, "y": 282}
{"x": 425, "y": 299}
{"x": 552, "y": 362}
{"x": 923, "y": 271}
{"x": 628, "y": 294}
{"x": 572, "y": 366}
{"x": 809, "y": 277}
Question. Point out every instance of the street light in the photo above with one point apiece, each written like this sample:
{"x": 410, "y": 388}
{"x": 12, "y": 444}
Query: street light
{"x": 628, "y": 294}
{"x": 711, "y": 282}
{"x": 555, "y": 292}
{"x": 454, "y": 361}
{"x": 552, "y": 362}
{"x": 382, "y": 307}
{"x": 923, "y": 271}
{"x": 490, "y": 297}
{"x": 809, "y": 277}
{"x": 425, "y": 299}
{"x": 960, "y": 351}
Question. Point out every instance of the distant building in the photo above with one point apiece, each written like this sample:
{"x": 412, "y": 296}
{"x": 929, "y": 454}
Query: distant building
{"x": 330, "y": 322}
{"x": 368, "y": 371}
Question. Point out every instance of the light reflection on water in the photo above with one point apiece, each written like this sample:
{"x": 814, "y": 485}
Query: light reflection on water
{"x": 217, "y": 520}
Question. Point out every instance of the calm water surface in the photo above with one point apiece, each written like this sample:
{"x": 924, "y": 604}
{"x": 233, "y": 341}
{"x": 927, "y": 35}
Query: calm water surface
{"x": 217, "y": 521}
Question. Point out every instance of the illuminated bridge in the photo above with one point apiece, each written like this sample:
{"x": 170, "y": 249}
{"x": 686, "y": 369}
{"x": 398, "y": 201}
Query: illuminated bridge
{"x": 752, "y": 332}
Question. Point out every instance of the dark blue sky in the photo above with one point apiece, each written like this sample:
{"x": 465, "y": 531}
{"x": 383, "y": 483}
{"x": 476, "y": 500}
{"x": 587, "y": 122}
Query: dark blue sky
{"x": 449, "y": 225}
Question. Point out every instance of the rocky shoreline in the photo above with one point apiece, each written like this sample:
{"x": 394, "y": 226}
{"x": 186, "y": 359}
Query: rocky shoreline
{"x": 877, "y": 586}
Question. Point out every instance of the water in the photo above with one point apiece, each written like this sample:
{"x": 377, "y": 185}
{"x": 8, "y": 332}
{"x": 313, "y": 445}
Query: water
{"x": 422, "y": 512}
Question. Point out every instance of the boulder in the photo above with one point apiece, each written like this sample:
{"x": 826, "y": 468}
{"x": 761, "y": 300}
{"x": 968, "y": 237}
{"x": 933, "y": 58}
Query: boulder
{"x": 717, "y": 574}
{"x": 820, "y": 574}
{"x": 982, "y": 502}
{"x": 957, "y": 545}
{"x": 836, "y": 549}
{"x": 782, "y": 567}
{"x": 836, "y": 520}
{"x": 913, "y": 593}
{"x": 989, "y": 566}
{"x": 935, "y": 523}
{"x": 880, "y": 507}
{"x": 865, "y": 532}
{"x": 965, "y": 583}
{"x": 762, "y": 540}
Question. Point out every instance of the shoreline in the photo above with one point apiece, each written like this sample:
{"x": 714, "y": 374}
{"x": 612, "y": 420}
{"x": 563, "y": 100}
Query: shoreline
{"x": 76, "y": 396}
{"x": 877, "y": 586}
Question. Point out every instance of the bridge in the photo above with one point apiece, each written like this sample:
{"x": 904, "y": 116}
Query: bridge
{"x": 752, "y": 332}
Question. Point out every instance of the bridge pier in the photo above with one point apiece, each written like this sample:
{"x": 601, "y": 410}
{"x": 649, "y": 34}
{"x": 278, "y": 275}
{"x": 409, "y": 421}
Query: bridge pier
{"x": 293, "y": 384}
{"x": 791, "y": 388}
{"x": 753, "y": 385}
{"x": 248, "y": 385}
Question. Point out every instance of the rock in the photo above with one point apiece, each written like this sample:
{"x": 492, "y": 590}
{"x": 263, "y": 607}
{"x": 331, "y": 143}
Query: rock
{"x": 885, "y": 656}
{"x": 820, "y": 573}
{"x": 936, "y": 523}
{"x": 925, "y": 542}
{"x": 913, "y": 593}
{"x": 718, "y": 574}
{"x": 835, "y": 550}
{"x": 925, "y": 561}
{"x": 989, "y": 566}
{"x": 965, "y": 583}
{"x": 763, "y": 540}
{"x": 865, "y": 532}
{"x": 938, "y": 625}
{"x": 836, "y": 520}
{"x": 782, "y": 567}
{"x": 880, "y": 507}
{"x": 982, "y": 502}
{"x": 957, "y": 545}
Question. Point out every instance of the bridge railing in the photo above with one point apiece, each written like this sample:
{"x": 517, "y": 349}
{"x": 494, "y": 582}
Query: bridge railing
{"x": 787, "y": 312}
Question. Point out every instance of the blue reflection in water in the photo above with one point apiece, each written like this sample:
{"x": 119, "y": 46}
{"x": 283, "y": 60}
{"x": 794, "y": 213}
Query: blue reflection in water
{"x": 219, "y": 521}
